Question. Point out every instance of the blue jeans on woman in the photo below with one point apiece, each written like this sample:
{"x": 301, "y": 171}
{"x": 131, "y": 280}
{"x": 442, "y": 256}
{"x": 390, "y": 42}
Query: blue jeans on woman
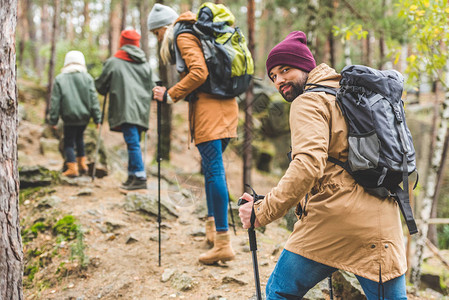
{"x": 217, "y": 196}
{"x": 294, "y": 275}
{"x": 73, "y": 137}
{"x": 132, "y": 134}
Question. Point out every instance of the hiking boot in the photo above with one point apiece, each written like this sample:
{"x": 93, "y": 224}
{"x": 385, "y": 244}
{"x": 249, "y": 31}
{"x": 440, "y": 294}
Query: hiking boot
{"x": 222, "y": 250}
{"x": 82, "y": 165}
{"x": 210, "y": 231}
{"x": 72, "y": 170}
{"x": 137, "y": 183}
{"x": 128, "y": 181}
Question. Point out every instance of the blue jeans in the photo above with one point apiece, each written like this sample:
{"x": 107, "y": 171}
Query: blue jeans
{"x": 132, "y": 134}
{"x": 217, "y": 196}
{"x": 294, "y": 275}
{"x": 73, "y": 137}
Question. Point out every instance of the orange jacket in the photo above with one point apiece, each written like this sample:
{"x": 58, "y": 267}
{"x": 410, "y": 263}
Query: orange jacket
{"x": 211, "y": 118}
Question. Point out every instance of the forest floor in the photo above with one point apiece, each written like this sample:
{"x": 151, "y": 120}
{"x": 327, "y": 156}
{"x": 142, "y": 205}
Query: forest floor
{"x": 114, "y": 252}
{"x": 122, "y": 261}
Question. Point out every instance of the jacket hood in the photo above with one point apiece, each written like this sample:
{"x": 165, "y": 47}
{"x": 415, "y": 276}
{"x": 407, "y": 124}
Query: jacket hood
{"x": 188, "y": 16}
{"x": 324, "y": 75}
{"x": 135, "y": 53}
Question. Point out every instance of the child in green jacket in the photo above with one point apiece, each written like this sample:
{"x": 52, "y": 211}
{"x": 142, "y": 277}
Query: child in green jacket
{"x": 75, "y": 100}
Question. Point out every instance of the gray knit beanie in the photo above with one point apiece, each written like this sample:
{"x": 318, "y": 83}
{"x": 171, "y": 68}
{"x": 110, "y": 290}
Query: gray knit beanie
{"x": 161, "y": 16}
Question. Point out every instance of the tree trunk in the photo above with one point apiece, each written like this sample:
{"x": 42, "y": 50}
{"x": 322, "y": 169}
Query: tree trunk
{"x": 22, "y": 30}
{"x": 144, "y": 10}
{"x": 114, "y": 27}
{"x": 85, "y": 32}
{"x": 432, "y": 234}
{"x": 247, "y": 143}
{"x": 11, "y": 257}
{"x": 45, "y": 23}
{"x": 34, "y": 52}
{"x": 312, "y": 13}
{"x": 430, "y": 188}
{"x": 124, "y": 14}
{"x": 51, "y": 68}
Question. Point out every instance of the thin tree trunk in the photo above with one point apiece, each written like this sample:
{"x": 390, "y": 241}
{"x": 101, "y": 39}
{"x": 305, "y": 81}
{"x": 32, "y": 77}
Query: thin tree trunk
{"x": 51, "y": 68}
{"x": 144, "y": 9}
{"x": 45, "y": 23}
{"x": 124, "y": 14}
{"x": 11, "y": 257}
{"x": 247, "y": 143}
{"x": 432, "y": 235}
{"x": 430, "y": 188}
{"x": 312, "y": 13}
{"x": 85, "y": 32}
{"x": 114, "y": 27}
{"x": 165, "y": 76}
{"x": 347, "y": 53}
{"x": 32, "y": 35}
{"x": 23, "y": 31}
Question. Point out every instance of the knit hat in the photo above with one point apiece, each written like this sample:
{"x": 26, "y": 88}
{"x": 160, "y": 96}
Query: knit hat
{"x": 161, "y": 16}
{"x": 74, "y": 57}
{"x": 292, "y": 51}
{"x": 129, "y": 37}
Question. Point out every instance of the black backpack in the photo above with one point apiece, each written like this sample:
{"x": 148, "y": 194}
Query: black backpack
{"x": 381, "y": 153}
{"x": 228, "y": 59}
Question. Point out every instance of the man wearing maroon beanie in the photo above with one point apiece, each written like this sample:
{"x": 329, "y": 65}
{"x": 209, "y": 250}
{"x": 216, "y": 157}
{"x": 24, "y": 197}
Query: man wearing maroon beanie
{"x": 127, "y": 78}
{"x": 340, "y": 225}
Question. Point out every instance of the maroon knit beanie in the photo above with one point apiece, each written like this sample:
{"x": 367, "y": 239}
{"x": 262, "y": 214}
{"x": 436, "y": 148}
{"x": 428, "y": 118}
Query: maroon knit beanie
{"x": 293, "y": 52}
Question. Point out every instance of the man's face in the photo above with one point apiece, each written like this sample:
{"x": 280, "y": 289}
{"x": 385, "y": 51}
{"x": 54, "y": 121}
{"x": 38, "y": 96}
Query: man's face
{"x": 289, "y": 81}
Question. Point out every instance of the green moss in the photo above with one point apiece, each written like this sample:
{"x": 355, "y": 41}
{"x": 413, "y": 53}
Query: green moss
{"x": 34, "y": 252}
{"x": 33, "y": 193}
{"x": 66, "y": 227}
{"x": 30, "y": 271}
{"x": 38, "y": 227}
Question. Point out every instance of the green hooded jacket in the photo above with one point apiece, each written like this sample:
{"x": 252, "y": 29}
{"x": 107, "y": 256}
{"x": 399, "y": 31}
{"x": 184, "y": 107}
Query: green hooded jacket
{"x": 74, "y": 98}
{"x": 129, "y": 84}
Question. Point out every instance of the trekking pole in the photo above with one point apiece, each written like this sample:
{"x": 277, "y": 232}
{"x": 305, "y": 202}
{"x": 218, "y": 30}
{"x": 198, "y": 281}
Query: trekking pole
{"x": 230, "y": 208}
{"x": 253, "y": 242}
{"x": 232, "y": 214}
{"x": 159, "y": 158}
{"x": 145, "y": 147}
{"x": 331, "y": 292}
{"x": 97, "y": 146}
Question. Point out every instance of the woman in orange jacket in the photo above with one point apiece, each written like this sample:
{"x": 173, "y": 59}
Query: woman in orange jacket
{"x": 213, "y": 121}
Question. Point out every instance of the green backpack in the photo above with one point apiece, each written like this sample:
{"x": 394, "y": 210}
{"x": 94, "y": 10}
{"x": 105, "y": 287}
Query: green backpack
{"x": 228, "y": 59}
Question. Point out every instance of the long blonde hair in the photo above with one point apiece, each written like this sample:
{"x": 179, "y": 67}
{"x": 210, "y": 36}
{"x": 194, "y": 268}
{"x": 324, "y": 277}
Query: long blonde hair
{"x": 167, "y": 46}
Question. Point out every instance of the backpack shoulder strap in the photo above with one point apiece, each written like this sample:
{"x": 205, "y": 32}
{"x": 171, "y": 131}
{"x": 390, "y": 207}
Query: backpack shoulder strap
{"x": 321, "y": 88}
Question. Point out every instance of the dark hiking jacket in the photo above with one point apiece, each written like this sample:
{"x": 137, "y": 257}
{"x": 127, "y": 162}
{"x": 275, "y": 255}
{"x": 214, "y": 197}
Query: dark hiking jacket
{"x": 129, "y": 85}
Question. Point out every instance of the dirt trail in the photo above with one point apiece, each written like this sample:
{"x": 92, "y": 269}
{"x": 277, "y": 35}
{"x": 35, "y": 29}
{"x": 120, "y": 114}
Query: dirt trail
{"x": 118, "y": 270}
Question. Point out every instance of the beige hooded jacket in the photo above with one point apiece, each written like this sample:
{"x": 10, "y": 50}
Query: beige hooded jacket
{"x": 343, "y": 226}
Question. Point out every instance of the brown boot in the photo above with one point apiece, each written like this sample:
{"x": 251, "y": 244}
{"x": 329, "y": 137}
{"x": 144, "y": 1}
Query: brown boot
{"x": 82, "y": 164}
{"x": 210, "y": 231}
{"x": 72, "y": 170}
{"x": 222, "y": 250}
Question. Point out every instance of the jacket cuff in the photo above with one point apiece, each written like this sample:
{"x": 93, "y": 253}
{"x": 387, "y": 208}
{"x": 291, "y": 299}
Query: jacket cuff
{"x": 259, "y": 208}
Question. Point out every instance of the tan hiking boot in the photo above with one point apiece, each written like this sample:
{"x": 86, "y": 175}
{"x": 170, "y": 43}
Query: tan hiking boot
{"x": 72, "y": 170}
{"x": 222, "y": 250}
{"x": 82, "y": 165}
{"x": 210, "y": 231}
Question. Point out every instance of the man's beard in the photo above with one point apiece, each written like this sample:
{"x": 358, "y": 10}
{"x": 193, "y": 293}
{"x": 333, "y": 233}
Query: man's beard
{"x": 296, "y": 89}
